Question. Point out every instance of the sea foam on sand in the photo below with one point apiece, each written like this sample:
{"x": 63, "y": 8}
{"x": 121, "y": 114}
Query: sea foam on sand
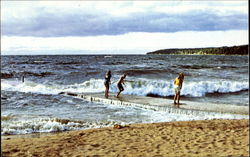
{"x": 190, "y": 138}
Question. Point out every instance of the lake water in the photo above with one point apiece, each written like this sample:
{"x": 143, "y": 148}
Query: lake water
{"x": 35, "y": 105}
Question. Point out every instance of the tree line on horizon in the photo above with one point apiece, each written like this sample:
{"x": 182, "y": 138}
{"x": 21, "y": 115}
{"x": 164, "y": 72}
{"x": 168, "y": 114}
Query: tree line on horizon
{"x": 233, "y": 50}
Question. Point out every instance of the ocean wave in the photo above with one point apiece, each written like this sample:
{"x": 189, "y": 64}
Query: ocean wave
{"x": 205, "y": 67}
{"x": 90, "y": 86}
{"x": 25, "y": 73}
{"x": 42, "y": 74}
{"x": 29, "y": 87}
{"x": 32, "y": 62}
{"x": 6, "y": 75}
{"x": 141, "y": 87}
{"x": 71, "y": 63}
{"x": 138, "y": 72}
{"x": 12, "y": 125}
{"x": 35, "y": 125}
{"x": 193, "y": 66}
{"x": 192, "y": 89}
{"x": 7, "y": 117}
{"x": 199, "y": 89}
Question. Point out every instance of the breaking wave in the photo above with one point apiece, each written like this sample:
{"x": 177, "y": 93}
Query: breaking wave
{"x": 142, "y": 87}
{"x": 11, "y": 126}
{"x": 25, "y": 73}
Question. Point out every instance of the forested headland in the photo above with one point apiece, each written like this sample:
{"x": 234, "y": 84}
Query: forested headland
{"x": 233, "y": 50}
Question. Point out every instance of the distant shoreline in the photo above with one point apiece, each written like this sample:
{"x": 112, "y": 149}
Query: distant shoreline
{"x": 241, "y": 50}
{"x": 233, "y": 50}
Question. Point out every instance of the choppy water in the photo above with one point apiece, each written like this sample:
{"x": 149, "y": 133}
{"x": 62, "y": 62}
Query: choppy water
{"x": 36, "y": 106}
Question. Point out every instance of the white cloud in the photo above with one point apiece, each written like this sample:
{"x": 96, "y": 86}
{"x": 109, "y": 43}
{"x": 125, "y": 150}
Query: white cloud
{"x": 121, "y": 26}
{"x": 29, "y": 8}
{"x": 137, "y": 42}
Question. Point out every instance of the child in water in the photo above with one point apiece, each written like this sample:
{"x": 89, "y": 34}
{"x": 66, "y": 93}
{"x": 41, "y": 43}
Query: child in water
{"x": 177, "y": 88}
{"x": 107, "y": 83}
{"x": 119, "y": 84}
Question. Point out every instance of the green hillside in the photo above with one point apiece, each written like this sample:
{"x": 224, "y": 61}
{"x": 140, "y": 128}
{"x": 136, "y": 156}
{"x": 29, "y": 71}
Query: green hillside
{"x": 234, "y": 50}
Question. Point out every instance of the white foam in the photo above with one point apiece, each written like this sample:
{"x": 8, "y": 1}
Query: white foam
{"x": 33, "y": 125}
{"x": 140, "y": 87}
{"x": 198, "y": 89}
{"x": 29, "y": 87}
{"x": 194, "y": 89}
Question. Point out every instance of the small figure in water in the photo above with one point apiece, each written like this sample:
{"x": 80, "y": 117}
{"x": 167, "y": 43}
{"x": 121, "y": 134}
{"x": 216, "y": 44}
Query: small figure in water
{"x": 107, "y": 83}
{"x": 22, "y": 78}
{"x": 177, "y": 88}
{"x": 119, "y": 84}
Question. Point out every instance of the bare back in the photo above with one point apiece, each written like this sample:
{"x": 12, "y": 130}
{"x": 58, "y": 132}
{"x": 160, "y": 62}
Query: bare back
{"x": 121, "y": 80}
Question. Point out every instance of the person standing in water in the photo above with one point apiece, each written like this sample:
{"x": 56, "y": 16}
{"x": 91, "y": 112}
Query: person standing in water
{"x": 107, "y": 83}
{"x": 119, "y": 84}
{"x": 177, "y": 88}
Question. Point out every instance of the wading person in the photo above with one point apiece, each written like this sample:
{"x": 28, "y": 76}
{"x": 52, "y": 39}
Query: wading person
{"x": 107, "y": 83}
{"x": 119, "y": 84}
{"x": 177, "y": 88}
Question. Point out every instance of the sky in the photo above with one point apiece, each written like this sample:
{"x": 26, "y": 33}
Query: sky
{"x": 120, "y": 27}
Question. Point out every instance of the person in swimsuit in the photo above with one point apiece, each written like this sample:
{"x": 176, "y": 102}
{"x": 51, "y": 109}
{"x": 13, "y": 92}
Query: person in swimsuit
{"x": 119, "y": 84}
{"x": 177, "y": 88}
{"x": 107, "y": 83}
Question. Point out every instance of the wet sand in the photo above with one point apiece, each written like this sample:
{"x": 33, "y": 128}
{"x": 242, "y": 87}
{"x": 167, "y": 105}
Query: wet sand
{"x": 191, "y": 138}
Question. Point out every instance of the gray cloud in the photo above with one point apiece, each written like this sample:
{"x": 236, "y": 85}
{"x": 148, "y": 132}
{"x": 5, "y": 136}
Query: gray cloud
{"x": 92, "y": 24}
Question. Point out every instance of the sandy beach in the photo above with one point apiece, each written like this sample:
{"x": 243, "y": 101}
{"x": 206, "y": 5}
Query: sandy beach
{"x": 190, "y": 138}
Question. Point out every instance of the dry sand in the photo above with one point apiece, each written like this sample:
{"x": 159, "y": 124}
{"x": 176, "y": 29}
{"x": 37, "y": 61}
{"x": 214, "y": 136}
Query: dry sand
{"x": 192, "y": 138}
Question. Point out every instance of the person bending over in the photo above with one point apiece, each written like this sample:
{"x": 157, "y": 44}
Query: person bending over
{"x": 119, "y": 84}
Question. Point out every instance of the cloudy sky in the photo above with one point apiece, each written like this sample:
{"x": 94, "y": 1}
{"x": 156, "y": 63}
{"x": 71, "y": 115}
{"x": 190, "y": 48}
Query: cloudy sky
{"x": 120, "y": 27}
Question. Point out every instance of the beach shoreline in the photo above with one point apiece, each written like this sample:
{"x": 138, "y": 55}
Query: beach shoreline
{"x": 219, "y": 137}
